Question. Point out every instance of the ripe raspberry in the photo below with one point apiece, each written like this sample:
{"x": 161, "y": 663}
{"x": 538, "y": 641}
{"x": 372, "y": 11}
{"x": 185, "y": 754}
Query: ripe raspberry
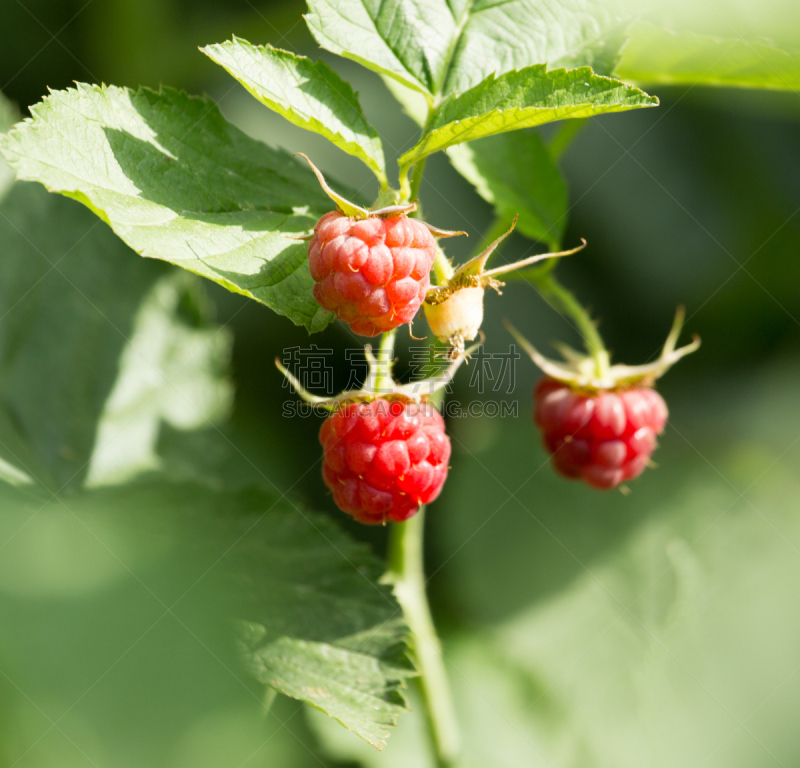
{"x": 384, "y": 458}
{"x": 372, "y": 273}
{"x": 602, "y": 439}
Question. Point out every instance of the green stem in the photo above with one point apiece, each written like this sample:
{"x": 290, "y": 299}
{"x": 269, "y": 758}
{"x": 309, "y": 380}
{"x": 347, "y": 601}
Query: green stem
{"x": 416, "y": 178}
{"x": 442, "y": 268}
{"x": 564, "y": 302}
{"x": 406, "y": 572}
{"x": 384, "y": 381}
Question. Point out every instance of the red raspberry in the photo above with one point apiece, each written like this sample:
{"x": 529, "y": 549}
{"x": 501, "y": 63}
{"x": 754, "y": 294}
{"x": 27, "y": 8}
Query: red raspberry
{"x": 602, "y": 439}
{"x": 384, "y": 458}
{"x": 372, "y": 273}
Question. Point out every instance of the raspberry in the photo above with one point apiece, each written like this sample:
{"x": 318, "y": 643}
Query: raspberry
{"x": 603, "y": 439}
{"x": 384, "y": 458}
{"x": 372, "y": 273}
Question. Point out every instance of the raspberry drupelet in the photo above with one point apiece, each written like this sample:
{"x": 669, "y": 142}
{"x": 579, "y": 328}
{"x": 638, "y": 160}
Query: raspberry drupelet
{"x": 372, "y": 273}
{"x": 604, "y": 438}
{"x": 384, "y": 458}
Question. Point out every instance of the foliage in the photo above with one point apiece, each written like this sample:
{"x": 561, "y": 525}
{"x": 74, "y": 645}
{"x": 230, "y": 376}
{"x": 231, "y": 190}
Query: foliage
{"x": 103, "y": 354}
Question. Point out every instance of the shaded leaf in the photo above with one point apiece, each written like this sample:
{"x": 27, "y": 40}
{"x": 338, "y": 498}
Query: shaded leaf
{"x": 318, "y": 625}
{"x": 179, "y": 183}
{"x": 98, "y": 351}
{"x": 8, "y": 116}
{"x": 656, "y": 55}
{"x": 307, "y": 93}
{"x": 413, "y": 102}
{"x": 523, "y": 99}
{"x": 517, "y": 174}
{"x": 678, "y": 647}
{"x": 321, "y": 628}
{"x": 69, "y": 291}
{"x": 172, "y": 373}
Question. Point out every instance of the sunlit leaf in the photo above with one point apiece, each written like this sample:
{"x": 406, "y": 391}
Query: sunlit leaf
{"x": 177, "y": 182}
{"x": 522, "y": 99}
{"x": 517, "y": 174}
{"x": 307, "y": 93}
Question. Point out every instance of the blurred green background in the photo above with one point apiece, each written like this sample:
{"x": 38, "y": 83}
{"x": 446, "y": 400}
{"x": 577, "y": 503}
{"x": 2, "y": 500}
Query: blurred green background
{"x": 659, "y": 628}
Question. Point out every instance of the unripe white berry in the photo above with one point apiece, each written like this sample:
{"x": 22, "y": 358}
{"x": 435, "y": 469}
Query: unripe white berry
{"x": 458, "y": 317}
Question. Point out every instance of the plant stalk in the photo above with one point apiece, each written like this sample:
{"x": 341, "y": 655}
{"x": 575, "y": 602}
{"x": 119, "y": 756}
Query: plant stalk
{"x": 383, "y": 381}
{"x": 564, "y": 302}
{"x": 406, "y": 573}
{"x": 442, "y": 268}
{"x": 416, "y": 179}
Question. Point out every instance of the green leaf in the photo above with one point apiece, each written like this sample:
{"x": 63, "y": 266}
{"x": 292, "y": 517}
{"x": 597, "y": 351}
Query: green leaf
{"x": 408, "y": 40}
{"x": 523, "y": 99}
{"x": 656, "y": 55}
{"x": 8, "y": 116}
{"x": 307, "y": 93}
{"x": 320, "y": 626}
{"x": 448, "y": 46}
{"x": 499, "y": 37}
{"x": 517, "y": 174}
{"x": 69, "y": 293}
{"x": 177, "y": 182}
{"x": 172, "y": 372}
{"x": 98, "y": 351}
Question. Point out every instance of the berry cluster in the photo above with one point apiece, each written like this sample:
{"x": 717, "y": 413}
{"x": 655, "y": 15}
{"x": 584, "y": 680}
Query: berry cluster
{"x": 385, "y": 447}
{"x": 603, "y": 439}
{"x": 384, "y": 458}
{"x": 372, "y": 273}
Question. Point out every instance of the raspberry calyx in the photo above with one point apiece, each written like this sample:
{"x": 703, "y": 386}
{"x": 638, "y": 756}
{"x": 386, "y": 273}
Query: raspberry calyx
{"x": 600, "y": 422}
{"x": 385, "y": 450}
{"x": 454, "y": 310}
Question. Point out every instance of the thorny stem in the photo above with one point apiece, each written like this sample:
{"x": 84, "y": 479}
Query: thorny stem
{"x": 558, "y": 297}
{"x": 407, "y": 574}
